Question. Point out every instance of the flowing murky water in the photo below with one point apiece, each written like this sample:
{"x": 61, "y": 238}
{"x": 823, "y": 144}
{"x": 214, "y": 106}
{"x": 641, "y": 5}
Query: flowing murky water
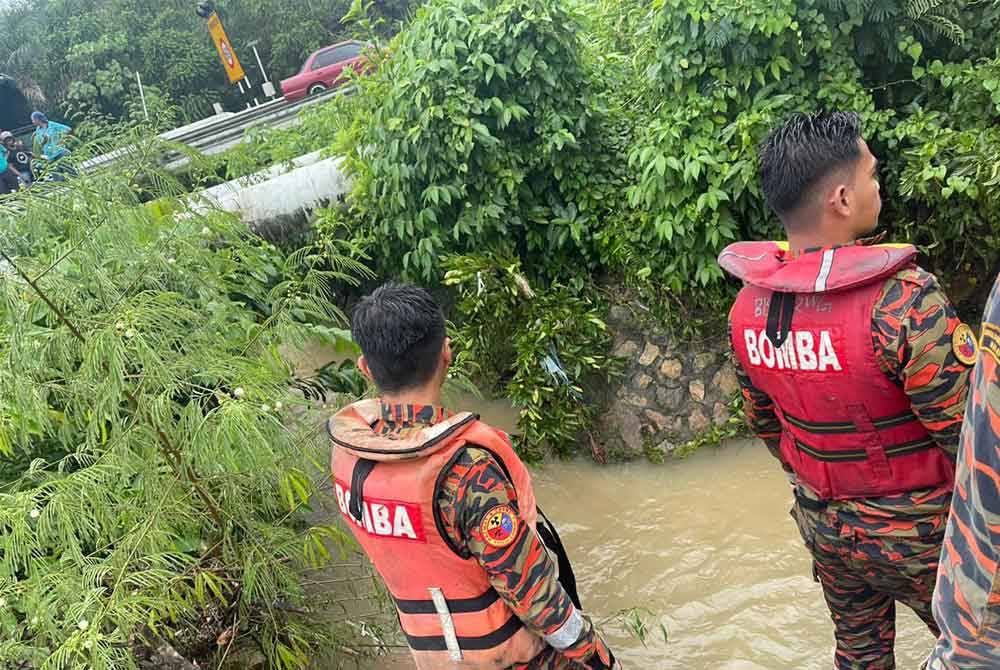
{"x": 706, "y": 546}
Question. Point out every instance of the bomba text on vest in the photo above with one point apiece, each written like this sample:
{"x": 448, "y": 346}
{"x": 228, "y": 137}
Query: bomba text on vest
{"x": 803, "y": 350}
{"x": 384, "y": 518}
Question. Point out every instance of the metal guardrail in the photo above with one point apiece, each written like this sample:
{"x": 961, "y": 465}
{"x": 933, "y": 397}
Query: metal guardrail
{"x": 214, "y": 138}
{"x": 208, "y": 139}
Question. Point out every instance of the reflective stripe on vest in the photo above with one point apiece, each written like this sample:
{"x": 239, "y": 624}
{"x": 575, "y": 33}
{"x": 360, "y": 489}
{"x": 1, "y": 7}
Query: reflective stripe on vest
{"x": 451, "y": 642}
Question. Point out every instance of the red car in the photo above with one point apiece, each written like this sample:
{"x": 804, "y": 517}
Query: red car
{"x": 324, "y": 70}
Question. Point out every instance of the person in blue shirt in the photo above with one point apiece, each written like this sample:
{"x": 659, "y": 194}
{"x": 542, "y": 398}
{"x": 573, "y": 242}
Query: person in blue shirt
{"x": 48, "y": 137}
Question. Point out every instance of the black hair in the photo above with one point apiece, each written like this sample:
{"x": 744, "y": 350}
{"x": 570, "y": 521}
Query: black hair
{"x": 803, "y": 152}
{"x": 400, "y": 329}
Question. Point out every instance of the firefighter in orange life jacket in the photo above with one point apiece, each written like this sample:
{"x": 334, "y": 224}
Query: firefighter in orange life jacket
{"x": 854, "y": 368}
{"x": 445, "y": 509}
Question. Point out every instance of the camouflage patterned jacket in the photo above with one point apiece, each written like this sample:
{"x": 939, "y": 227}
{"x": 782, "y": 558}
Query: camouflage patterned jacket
{"x": 967, "y": 597}
{"x": 918, "y": 343}
{"x": 522, "y": 572}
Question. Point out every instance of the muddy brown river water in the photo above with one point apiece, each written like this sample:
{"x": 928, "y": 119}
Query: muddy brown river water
{"x": 706, "y": 545}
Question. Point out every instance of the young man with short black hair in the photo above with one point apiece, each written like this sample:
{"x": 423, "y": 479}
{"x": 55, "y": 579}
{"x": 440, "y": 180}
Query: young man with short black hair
{"x": 445, "y": 509}
{"x": 854, "y": 368}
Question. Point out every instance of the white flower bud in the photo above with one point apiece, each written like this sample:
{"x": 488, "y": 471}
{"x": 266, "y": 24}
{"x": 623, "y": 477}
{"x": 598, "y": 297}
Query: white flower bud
{"x": 35, "y": 513}
{"x": 265, "y": 408}
{"x": 83, "y": 624}
{"x": 171, "y": 261}
{"x": 120, "y": 325}
{"x": 130, "y": 333}
{"x": 238, "y": 392}
{"x": 87, "y": 644}
{"x": 278, "y": 406}
{"x": 206, "y": 231}
{"x": 34, "y": 621}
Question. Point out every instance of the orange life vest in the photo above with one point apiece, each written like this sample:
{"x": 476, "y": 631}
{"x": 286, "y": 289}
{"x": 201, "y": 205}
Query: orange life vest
{"x": 802, "y": 331}
{"x": 386, "y": 489}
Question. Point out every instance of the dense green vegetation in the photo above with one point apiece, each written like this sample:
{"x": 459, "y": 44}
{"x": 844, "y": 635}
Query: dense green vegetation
{"x": 573, "y": 143}
{"x": 79, "y": 57}
{"x": 155, "y": 464}
{"x": 620, "y": 137}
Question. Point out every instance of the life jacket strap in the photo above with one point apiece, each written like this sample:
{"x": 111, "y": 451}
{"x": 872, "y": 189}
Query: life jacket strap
{"x": 877, "y": 459}
{"x": 455, "y": 606}
{"x": 779, "y": 318}
{"x": 478, "y": 643}
{"x": 846, "y": 427}
{"x": 550, "y": 538}
{"x": 362, "y": 469}
{"x": 848, "y": 455}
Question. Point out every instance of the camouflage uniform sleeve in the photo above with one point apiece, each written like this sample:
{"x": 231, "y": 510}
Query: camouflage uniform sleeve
{"x": 914, "y": 333}
{"x": 967, "y": 597}
{"x": 521, "y": 570}
{"x": 759, "y": 409}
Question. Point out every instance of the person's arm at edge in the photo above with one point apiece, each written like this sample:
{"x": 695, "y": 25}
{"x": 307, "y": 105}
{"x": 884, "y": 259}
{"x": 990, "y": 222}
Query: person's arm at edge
{"x": 522, "y": 572}
{"x": 920, "y": 352}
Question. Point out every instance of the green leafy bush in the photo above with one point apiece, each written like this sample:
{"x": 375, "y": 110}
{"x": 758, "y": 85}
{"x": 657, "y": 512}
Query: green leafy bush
{"x": 724, "y": 74}
{"x": 155, "y": 467}
{"x": 474, "y": 131}
{"x": 944, "y": 171}
{"x": 546, "y": 350}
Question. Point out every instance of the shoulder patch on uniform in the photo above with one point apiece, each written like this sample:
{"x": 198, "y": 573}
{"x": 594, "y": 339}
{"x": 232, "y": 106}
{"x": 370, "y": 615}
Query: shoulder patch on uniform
{"x": 499, "y": 526}
{"x": 990, "y": 341}
{"x": 963, "y": 343}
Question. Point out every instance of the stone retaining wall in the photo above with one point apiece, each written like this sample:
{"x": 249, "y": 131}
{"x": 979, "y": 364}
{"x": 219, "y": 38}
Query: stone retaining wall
{"x": 671, "y": 392}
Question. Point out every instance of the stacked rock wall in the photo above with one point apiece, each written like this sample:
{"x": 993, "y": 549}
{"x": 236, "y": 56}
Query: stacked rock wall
{"x": 671, "y": 392}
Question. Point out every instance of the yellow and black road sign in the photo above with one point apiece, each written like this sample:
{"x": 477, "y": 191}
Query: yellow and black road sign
{"x": 225, "y": 48}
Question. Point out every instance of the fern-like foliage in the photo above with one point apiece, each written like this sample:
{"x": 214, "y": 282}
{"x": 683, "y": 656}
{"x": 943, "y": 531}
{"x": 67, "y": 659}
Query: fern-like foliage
{"x": 150, "y": 467}
{"x": 938, "y": 16}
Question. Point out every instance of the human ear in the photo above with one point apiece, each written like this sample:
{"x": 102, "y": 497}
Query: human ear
{"x": 446, "y": 354}
{"x": 365, "y": 370}
{"x": 840, "y": 200}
